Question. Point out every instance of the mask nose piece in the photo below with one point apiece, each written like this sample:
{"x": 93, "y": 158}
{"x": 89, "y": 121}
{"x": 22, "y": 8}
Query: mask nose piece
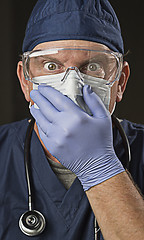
{"x": 69, "y": 69}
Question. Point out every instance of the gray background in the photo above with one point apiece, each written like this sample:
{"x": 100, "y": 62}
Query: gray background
{"x": 13, "y": 17}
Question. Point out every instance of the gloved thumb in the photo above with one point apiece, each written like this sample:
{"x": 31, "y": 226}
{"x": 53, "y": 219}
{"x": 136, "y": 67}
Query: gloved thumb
{"x": 94, "y": 102}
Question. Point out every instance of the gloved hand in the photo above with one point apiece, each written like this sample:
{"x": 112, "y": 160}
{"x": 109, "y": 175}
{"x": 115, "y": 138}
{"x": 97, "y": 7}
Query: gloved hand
{"x": 82, "y": 143}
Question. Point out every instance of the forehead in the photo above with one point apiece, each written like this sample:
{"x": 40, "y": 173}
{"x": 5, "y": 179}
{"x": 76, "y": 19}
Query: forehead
{"x": 71, "y": 43}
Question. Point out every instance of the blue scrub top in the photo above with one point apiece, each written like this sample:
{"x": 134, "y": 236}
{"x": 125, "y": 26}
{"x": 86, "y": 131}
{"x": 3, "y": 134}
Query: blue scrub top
{"x": 68, "y": 213}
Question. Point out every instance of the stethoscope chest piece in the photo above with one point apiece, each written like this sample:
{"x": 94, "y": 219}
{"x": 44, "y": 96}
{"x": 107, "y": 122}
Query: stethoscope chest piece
{"x": 32, "y": 223}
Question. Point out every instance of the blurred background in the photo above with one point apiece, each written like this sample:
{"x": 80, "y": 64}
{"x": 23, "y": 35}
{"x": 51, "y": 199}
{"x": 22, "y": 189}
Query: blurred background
{"x": 13, "y": 18}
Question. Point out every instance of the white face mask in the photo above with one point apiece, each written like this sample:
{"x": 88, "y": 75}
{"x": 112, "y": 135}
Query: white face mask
{"x": 71, "y": 85}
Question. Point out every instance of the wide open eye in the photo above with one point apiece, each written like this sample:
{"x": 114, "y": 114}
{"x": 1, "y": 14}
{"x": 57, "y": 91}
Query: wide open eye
{"x": 94, "y": 69}
{"x": 51, "y": 66}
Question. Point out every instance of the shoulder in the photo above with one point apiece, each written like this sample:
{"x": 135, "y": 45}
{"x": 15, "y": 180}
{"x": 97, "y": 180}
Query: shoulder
{"x": 133, "y": 129}
{"x": 134, "y": 133}
{"x": 133, "y": 125}
{"x": 12, "y": 128}
{"x": 9, "y": 132}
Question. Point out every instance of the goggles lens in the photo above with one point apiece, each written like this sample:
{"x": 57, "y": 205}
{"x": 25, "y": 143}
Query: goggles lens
{"x": 106, "y": 65}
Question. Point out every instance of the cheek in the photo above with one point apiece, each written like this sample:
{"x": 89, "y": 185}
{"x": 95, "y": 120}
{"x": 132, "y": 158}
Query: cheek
{"x": 30, "y": 89}
{"x": 30, "y": 86}
{"x": 113, "y": 96}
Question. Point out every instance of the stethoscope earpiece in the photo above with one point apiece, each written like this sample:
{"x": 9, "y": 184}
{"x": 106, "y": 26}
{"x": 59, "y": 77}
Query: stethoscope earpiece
{"x": 32, "y": 223}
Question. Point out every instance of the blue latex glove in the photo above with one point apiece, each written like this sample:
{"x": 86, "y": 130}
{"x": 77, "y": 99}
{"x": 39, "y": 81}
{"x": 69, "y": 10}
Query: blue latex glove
{"x": 82, "y": 143}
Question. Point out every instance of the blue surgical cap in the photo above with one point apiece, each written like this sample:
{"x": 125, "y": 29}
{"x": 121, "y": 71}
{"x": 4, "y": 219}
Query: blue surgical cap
{"x": 91, "y": 20}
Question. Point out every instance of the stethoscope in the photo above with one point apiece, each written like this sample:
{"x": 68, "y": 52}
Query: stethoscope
{"x": 32, "y": 222}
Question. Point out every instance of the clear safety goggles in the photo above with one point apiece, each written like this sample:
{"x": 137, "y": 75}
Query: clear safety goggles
{"x": 106, "y": 65}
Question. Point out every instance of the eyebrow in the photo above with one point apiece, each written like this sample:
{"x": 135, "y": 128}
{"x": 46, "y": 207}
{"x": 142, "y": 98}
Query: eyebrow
{"x": 50, "y": 58}
{"x": 55, "y": 59}
{"x": 83, "y": 63}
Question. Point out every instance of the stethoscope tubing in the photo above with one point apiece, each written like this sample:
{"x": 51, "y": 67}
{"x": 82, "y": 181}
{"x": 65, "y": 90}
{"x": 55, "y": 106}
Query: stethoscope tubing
{"x": 27, "y": 161}
{"x": 125, "y": 141}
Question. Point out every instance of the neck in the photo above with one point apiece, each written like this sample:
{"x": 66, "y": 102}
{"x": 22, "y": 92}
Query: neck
{"x": 47, "y": 153}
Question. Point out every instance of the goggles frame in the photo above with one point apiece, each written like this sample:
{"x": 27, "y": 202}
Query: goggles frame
{"x": 34, "y": 53}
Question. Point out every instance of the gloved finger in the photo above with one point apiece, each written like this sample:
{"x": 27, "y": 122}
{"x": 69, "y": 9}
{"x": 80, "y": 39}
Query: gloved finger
{"x": 47, "y": 109}
{"x": 94, "y": 102}
{"x": 48, "y": 142}
{"x": 44, "y": 124}
{"x": 61, "y": 102}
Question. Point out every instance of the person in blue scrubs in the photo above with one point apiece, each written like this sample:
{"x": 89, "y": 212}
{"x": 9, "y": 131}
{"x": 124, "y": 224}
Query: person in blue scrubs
{"x": 73, "y": 74}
